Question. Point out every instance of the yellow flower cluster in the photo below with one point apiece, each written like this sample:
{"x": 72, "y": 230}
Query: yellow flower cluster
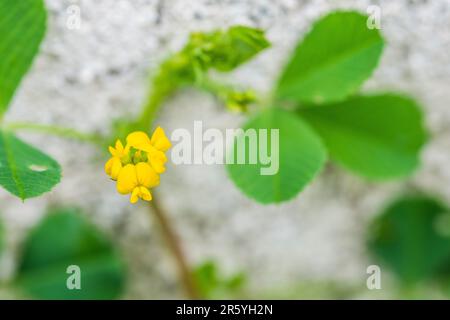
{"x": 137, "y": 166}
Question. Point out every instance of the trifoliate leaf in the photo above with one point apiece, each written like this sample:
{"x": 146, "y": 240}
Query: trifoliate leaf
{"x": 25, "y": 171}
{"x": 378, "y": 137}
{"x": 332, "y": 61}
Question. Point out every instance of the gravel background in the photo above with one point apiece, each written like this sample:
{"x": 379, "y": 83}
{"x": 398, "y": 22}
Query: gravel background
{"x": 86, "y": 78}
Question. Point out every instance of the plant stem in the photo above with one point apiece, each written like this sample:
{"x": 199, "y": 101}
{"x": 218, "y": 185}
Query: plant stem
{"x": 151, "y": 107}
{"x": 173, "y": 243}
{"x": 56, "y": 131}
{"x": 145, "y": 121}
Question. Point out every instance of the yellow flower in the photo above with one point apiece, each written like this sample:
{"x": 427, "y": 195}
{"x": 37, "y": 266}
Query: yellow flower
{"x": 137, "y": 179}
{"x": 114, "y": 164}
{"x": 154, "y": 147}
{"x": 137, "y": 166}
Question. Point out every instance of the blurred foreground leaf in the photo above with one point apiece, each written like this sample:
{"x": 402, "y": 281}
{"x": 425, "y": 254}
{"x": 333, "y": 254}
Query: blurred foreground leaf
{"x": 301, "y": 156}
{"x": 376, "y": 136}
{"x": 332, "y": 61}
{"x": 65, "y": 239}
{"x": 412, "y": 237}
{"x": 22, "y": 28}
{"x": 212, "y": 285}
{"x": 25, "y": 171}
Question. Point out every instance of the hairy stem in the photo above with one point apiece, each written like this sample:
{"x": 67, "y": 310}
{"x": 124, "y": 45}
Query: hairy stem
{"x": 55, "y": 131}
{"x": 174, "y": 245}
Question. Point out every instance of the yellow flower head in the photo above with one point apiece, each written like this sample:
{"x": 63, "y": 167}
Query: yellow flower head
{"x": 137, "y": 179}
{"x": 137, "y": 166}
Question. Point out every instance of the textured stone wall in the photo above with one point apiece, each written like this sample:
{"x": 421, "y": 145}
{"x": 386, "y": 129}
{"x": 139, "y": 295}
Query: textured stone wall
{"x": 85, "y": 78}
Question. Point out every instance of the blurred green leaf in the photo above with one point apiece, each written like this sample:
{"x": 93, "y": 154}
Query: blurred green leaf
{"x": 332, "y": 61}
{"x": 377, "y": 137}
{"x": 223, "y": 50}
{"x": 412, "y": 237}
{"x": 22, "y": 28}
{"x": 63, "y": 239}
{"x": 301, "y": 156}
{"x": 236, "y": 46}
{"x": 25, "y": 171}
{"x": 212, "y": 285}
{"x": 239, "y": 101}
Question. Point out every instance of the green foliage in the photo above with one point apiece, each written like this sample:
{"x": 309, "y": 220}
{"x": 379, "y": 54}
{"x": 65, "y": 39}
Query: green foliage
{"x": 332, "y": 61}
{"x": 412, "y": 237}
{"x": 236, "y": 46}
{"x": 22, "y": 28}
{"x": 375, "y": 136}
{"x": 63, "y": 239}
{"x": 301, "y": 156}
{"x": 25, "y": 171}
{"x": 239, "y": 101}
{"x": 212, "y": 285}
{"x": 223, "y": 50}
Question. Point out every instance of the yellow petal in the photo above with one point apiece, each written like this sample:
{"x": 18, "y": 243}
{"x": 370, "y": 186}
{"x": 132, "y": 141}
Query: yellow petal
{"x": 146, "y": 175}
{"x": 135, "y": 195}
{"x": 139, "y": 140}
{"x": 116, "y": 168}
{"x": 108, "y": 166}
{"x": 118, "y": 150}
{"x": 160, "y": 141}
{"x": 119, "y": 146}
{"x": 112, "y": 151}
{"x": 127, "y": 180}
{"x": 157, "y": 160}
{"x": 145, "y": 194}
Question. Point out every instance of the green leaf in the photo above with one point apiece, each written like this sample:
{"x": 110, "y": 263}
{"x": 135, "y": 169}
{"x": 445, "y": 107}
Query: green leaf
{"x": 412, "y": 237}
{"x": 25, "y": 171}
{"x": 378, "y": 137}
{"x": 212, "y": 285}
{"x": 22, "y": 28}
{"x": 65, "y": 239}
{"x": 223, "y": 50}
{"x": 236, "y": 46}
{"x": 301, "y": 155}
{"x": 332, "y": 61}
